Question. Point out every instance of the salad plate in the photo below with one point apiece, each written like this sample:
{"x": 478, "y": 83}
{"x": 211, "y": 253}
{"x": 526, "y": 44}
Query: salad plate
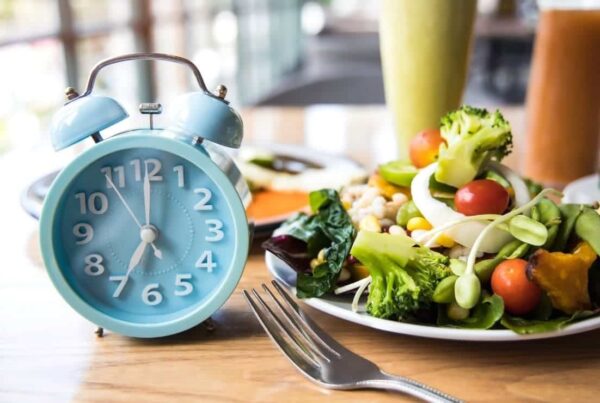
{"x": 451, "y": 244}
{"x": 340, "y": 307}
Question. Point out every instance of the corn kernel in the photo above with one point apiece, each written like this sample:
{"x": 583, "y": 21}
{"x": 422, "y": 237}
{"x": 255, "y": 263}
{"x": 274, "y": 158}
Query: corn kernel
{"x": 321, "y": 255}
{"x": 370, "y": 223}
{"x": 445, "y": 241}
{"x": 418, "y": 223}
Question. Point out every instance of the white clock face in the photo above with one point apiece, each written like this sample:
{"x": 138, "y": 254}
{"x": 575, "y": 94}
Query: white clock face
{"x": 144, "y": 235}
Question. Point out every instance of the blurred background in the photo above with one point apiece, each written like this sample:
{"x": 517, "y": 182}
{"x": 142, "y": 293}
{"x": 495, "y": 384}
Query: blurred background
{"x": 268, "y": 52}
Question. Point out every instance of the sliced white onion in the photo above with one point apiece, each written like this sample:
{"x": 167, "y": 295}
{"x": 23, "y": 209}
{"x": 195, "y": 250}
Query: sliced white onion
{"x": 438, "y": 213}
{"x": 519, "y": 186}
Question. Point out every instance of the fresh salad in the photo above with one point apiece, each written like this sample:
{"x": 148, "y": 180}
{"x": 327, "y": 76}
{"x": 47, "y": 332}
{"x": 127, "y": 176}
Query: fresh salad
{"x": 450, "y": 238}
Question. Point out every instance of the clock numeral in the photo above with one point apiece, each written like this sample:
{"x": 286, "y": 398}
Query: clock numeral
{"x": 215, "y": 228}
{"x": 150, "y": 295}
{"x": 205, "y": 261}
{"x": 180, "y": 178}
{"x": 206, "y": 195}
{"x": 96, "y": 203}
{"x": 119, "y": 173}
{"x": 182, "y": 281}
{"x": 83, "y": 231}
{"x": 122, "y": 282}
{"x": 152, "y": 164}
{"x": 93, "y": 264}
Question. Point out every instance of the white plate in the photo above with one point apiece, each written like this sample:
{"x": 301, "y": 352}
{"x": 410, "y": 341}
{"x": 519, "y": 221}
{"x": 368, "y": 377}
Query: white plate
{"x": 340, "y": 307}
{"x": 583, "y": 190}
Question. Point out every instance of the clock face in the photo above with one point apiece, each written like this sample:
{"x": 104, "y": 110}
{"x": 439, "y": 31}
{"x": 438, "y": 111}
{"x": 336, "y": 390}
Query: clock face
{"x": 144, "y": 235}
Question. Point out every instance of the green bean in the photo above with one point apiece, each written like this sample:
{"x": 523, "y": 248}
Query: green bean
{"x": 444, "y": 292}
{"x": 549, "y": 216}
{"x": 587, "y": 227}
{"x": 512, "y": 250}
{"x": 569, "y": 214}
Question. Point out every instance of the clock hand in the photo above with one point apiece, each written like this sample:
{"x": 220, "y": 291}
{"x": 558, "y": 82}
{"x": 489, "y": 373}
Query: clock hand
{"x": 157, "y": 251}
{"x": 112, "y": 185}
{"x": 147, "y": 195}
{"x": 136, "y": 257}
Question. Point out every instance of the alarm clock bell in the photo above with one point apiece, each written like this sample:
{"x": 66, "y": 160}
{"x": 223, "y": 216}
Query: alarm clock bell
{"x": 196, "y": 116}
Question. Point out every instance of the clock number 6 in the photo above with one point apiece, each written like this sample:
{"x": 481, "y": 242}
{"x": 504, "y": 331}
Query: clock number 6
{"x": 151, "y": 296}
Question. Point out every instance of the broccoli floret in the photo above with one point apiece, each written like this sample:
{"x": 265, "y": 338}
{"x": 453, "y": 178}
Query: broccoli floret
{"x": 404, "y": 274}
{"x": 473, "y": 137}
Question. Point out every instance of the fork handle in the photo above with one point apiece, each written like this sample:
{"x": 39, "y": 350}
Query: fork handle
{"x": 410, "y": 387}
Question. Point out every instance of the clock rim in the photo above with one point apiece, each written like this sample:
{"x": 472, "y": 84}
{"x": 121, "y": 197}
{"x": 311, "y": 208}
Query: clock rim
{"x": 195, "y": 155}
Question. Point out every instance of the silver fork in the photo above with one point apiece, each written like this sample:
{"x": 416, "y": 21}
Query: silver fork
{"x": 322, "y": 359}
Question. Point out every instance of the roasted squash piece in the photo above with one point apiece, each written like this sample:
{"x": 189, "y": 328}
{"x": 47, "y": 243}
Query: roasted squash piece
{"x": 564, "y": 276}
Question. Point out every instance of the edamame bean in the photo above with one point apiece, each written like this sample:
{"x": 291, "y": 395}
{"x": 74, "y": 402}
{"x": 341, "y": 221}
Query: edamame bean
{"x": 467, "y": 290}
{"x": 444, "y": 292}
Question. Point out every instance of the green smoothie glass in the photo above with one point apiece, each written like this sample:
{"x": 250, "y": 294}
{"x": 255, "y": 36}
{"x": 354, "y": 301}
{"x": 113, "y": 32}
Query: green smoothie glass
{"x": 425, "y": 46}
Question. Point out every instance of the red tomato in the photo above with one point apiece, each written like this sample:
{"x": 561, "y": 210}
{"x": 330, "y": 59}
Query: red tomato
{"x": 423, "y": 148}
{"x": 483, "y": 196}
{"x": 510, "y": 281}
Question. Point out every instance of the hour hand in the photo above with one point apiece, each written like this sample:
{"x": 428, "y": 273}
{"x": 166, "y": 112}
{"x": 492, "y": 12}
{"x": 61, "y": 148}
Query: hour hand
{"x": 136, "y": 257}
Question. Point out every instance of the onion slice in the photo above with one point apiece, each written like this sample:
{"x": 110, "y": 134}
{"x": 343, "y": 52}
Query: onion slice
{"x": 438, "y": 214}
{"x": 522, "y": 195}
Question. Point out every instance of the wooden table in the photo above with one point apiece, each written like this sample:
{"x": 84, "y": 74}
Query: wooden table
{"x": 49, "y": 353}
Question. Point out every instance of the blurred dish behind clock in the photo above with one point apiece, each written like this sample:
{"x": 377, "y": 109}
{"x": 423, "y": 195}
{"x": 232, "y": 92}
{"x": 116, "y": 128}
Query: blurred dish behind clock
{"x": 563, "y": 99}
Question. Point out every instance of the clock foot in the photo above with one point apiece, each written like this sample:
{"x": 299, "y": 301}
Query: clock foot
{"x": 99, "y": 332}
{"x": 209, "y": 325}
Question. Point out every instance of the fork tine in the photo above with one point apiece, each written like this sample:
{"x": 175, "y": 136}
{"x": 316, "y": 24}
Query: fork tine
{"x": 309, "y": 326}
{"x": 301, "y": 341}
{"x": 296, "y": 320}
{"x": 295, "y": 354}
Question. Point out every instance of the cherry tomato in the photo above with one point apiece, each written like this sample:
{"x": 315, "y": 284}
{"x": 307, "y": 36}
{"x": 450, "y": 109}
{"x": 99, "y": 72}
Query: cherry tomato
{"x": 483, "y": 196}
{"x": 510, "y": 282}
{"x": 423, "y": 148}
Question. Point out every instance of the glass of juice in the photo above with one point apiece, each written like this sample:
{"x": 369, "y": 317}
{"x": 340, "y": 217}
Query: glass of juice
{"x": 563, "y": 98}
{"x": 425, "y": 47}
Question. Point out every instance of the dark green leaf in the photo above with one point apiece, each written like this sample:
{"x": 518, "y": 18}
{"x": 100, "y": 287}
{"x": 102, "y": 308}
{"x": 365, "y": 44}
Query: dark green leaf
{"x": 332, "y": 222}
{"x": 527, "y": 326}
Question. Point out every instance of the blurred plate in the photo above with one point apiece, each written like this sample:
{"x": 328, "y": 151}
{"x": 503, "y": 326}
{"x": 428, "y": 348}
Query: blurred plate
{"x": 340, "y": 306}
{"x": 584, "y": 190}
{"x": 267, "y": 210}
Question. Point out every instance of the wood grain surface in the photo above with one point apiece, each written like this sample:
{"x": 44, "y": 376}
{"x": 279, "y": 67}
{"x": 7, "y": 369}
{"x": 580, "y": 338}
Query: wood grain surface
{"x": 49, "y": 353}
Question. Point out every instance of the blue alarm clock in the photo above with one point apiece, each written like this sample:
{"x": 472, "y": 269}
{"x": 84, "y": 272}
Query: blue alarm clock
{"x": 145, "y": 234}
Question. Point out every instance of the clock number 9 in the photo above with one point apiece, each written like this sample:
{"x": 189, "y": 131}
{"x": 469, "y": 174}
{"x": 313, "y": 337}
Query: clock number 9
{"x": 83, "y": 231}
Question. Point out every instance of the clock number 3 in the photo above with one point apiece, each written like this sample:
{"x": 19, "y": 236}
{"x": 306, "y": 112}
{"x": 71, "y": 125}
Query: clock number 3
{"x": 215, "y": 228}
